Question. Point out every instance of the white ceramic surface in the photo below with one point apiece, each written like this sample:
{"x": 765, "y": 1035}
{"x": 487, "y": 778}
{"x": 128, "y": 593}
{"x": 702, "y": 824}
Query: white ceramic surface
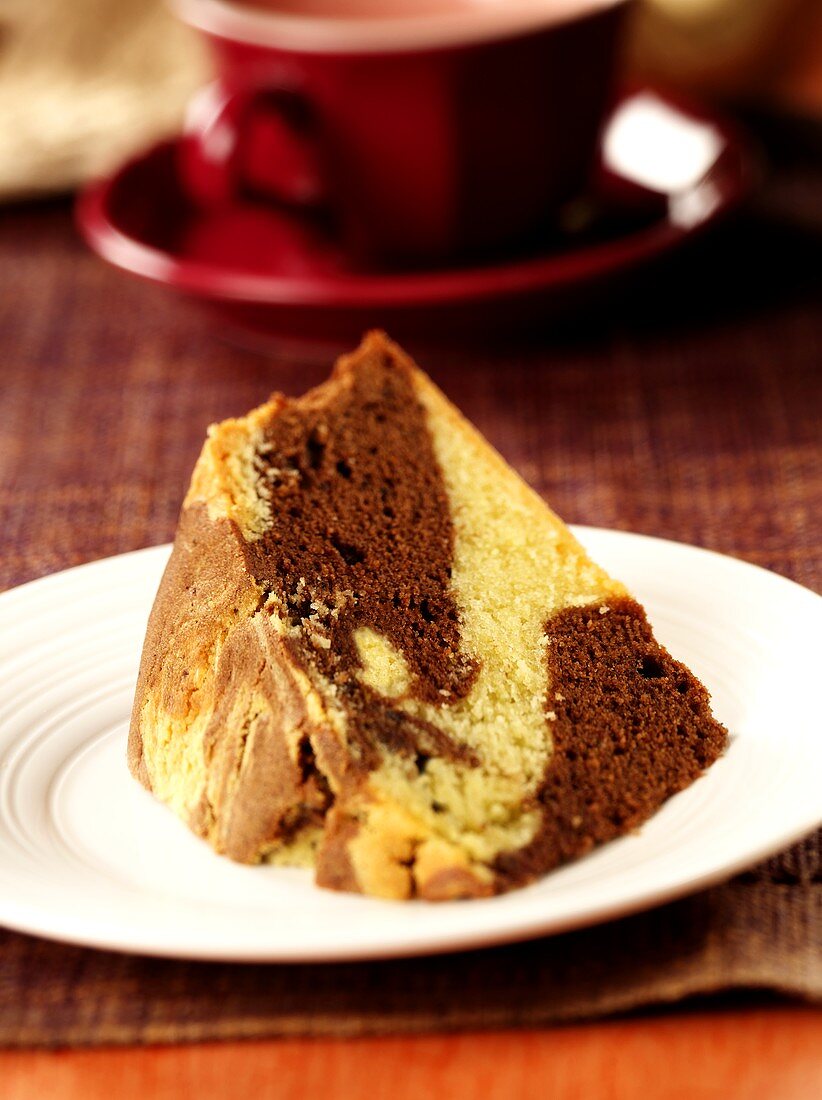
{"x": 89, "y": 857}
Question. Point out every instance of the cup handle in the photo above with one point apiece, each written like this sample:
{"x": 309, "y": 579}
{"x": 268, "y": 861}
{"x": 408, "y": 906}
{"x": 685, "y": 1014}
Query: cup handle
{"x": 261, "y": 142}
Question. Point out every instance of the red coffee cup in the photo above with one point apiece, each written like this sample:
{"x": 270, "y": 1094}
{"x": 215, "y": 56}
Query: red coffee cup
{"x": 427, "y": 137}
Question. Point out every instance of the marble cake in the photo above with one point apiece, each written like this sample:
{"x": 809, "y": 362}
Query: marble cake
{"x": 375, "y": 651}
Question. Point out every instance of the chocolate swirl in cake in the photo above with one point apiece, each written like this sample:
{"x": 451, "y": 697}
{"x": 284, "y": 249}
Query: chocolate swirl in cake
{"x": 631, "y": 726}
{"x": 361, "y": 535}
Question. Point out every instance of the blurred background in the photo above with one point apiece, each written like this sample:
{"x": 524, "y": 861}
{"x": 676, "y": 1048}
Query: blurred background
{"x": 86, "y": 83}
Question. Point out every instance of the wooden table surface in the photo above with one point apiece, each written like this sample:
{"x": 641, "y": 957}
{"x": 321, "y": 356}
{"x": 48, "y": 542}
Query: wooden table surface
{"x": 721, "y": 316}
{"x": 754, "y": 1054}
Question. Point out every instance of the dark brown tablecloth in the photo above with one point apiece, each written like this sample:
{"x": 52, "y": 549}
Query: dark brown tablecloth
{"x": 685, "y": 403}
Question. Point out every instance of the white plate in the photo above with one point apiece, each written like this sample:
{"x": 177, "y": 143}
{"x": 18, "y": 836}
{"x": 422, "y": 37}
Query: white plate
{"x": 86, "y": 855}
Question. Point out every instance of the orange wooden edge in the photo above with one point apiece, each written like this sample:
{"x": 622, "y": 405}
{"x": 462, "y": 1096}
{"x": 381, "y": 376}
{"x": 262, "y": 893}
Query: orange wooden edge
{"x": 756, "y": 1054}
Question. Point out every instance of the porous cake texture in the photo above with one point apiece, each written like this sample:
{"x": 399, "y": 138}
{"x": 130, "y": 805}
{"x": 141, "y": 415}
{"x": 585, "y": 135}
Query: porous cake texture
{"x": 375, "y": 651}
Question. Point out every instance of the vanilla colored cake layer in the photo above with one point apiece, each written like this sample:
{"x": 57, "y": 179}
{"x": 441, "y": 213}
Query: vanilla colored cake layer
{"x": 376, "y": 651}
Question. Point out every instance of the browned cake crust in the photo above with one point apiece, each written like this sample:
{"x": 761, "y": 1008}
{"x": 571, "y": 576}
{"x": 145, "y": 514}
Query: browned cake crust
{"x": 254, "y": 715}
{"x": 203, "y": 619}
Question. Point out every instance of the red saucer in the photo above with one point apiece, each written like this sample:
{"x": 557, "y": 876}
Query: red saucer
{"x": 667, "y": 172}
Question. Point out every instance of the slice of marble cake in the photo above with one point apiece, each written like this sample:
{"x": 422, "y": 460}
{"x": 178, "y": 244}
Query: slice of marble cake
{"x": 377, "y": 652}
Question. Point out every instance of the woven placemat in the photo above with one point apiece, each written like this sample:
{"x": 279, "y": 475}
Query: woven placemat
{"x": 742, "y": 935}
{"x": 700, "y": 425}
